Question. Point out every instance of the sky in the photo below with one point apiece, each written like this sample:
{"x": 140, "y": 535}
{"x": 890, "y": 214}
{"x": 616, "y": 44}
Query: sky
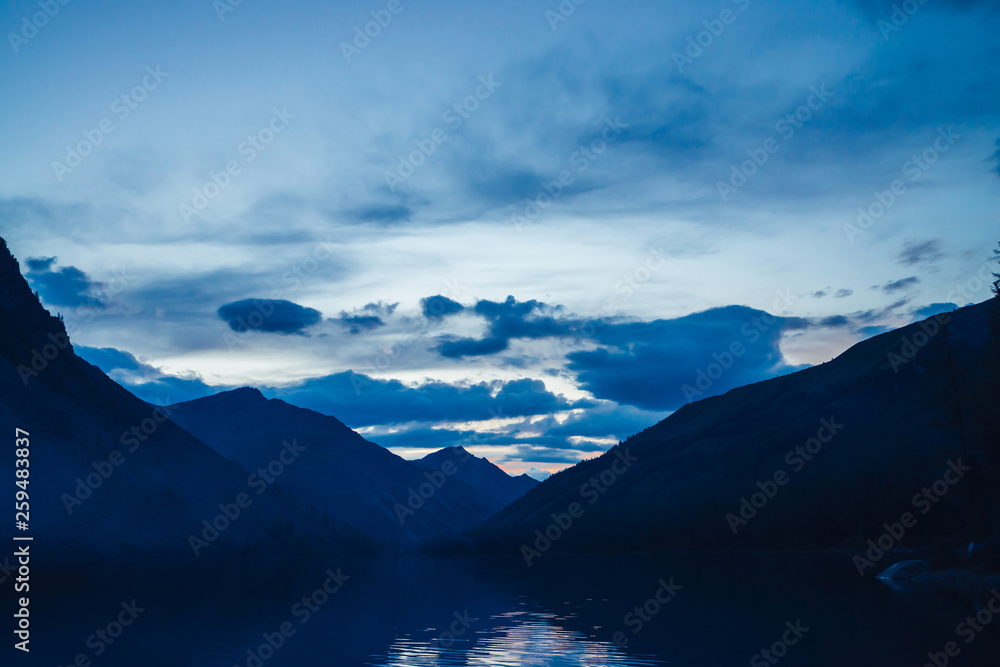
{"x": 527, "y": 228}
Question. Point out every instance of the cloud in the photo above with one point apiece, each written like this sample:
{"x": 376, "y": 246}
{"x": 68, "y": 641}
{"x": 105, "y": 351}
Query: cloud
{"x": 68, "y": 286}
{"x": 144, "y": 380}
{"x": 898, "y": 285}
{"x": 871, "y": 315}
{"x": 934, "y": 309}
{"x": 40, "y": 264}
{"x": 359, "y": 400}
{"x": 819, "y": 295}
{"x": 269, "y": 315}
{"x": 506, "y": 320}
{"x": 662, "y": 365}
{"x": 917, "y": 252}
{"x": 438, "y": 307}
{"x": 833, "y": 321}
{"x": 873, "y": 330}
{"x": 386, "y": 214}
{"x": 370, "y": 317}
{"x": 470, "y": 347}
{"x": 843, "y": 293}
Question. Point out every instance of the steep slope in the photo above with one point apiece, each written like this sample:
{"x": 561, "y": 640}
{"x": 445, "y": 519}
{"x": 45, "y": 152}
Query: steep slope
{"x": 338, "y": 471}
{"x": 496, "y": 488}
{"x": 110, "y": 478}
{"x": 833, "y": 453}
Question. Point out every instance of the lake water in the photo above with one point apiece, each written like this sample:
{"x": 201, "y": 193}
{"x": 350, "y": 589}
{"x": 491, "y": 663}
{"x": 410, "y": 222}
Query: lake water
{"x": 564, "y": 610}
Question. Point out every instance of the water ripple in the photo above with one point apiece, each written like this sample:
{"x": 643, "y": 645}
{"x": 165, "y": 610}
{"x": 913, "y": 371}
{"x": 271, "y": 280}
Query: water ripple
{"x": 513, "y": 639}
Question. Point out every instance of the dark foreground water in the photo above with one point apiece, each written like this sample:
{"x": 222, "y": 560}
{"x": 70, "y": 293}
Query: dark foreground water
{"x": 722, "y": 610}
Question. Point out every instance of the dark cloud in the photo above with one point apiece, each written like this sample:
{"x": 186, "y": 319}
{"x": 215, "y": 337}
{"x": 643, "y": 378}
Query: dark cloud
{"x": 833, "y": 321}
{"x": 109, "y": 359}
{"x": 40, "y": 264}
{"x": 370, "y": 317}
{"x": 898, "y": 285}
{"x": 145, "y": 381}
{"x": 269, "y": 315}
{"x": 506, "y": 320}
{"x": 386, "y": 214}
{"x": 843, "y": 293}
{"x": 867, "y": 316}
{"x": 917, "y": 252}
{"x": 359, "y": 400}
{"x": 527, "y": 446}
{"x": 67, "y": 286}
{"x": 933, "y": 309}
{"x": 873, "y": 330}
{"x": 438, "y": 307}
{"x": 664, "y": 364}
{"x": 655, "y": 365}
{"x": 819, "y": 295}
{"x": 456, "y": 348}
{"x": 355, "y": 324}
{"x": 604, "y": 420}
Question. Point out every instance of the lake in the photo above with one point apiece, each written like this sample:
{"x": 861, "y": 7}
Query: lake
{"x": 582, "y": 610}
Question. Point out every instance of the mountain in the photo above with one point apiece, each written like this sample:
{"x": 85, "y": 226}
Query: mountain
{"x": 822, "y": 457}
{"x": 112, "y": 478}
{"x": 339, "y": 472}
{"x": 496, "y": 488}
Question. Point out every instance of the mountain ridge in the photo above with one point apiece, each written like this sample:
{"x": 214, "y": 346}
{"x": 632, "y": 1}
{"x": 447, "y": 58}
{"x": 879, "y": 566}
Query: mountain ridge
{"x": 896, "y": 402}
{"x": 113, "y": 479}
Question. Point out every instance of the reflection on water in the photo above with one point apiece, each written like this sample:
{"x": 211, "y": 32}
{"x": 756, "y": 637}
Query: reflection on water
{"x": 564, "y": 610}
{"x": 509, "y": 639}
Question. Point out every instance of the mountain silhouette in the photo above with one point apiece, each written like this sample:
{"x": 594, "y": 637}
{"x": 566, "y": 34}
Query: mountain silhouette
{"x": 111, "y": 478}
{"x": 342, "y": 473}
{"x": 823, "y": 457}
{"x": 495, "y": 488}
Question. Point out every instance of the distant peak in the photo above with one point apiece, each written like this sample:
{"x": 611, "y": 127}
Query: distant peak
{"x": 244, "y": 393}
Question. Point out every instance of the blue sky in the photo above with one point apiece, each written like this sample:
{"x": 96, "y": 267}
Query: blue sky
{"x": 512, "y": 226}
